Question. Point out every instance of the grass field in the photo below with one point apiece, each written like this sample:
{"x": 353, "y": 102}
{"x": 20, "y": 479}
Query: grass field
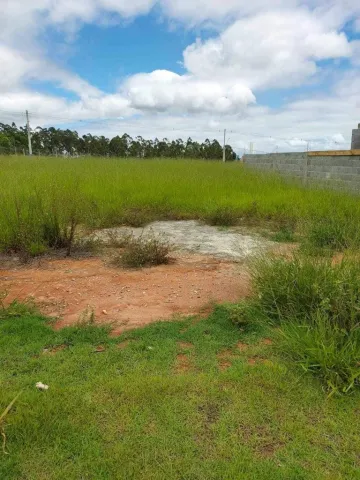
{"x": 144, "y": 412}
{"x": 193, "y": 399}
{"x": 37, "y": 193}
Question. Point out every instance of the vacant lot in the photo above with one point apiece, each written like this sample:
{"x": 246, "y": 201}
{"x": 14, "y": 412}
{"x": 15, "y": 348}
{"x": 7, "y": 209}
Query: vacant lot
{"x": 264, "y": 388}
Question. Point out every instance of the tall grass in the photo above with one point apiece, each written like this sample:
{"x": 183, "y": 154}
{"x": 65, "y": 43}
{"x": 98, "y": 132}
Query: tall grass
{"x": 317, "y": 306}
{"x": 40, "y": 196}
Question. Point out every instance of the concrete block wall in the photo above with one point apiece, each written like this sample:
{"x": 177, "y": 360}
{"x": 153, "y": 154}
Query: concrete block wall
{"x": 355, "y": 142}
{"x": 341, "y": 170}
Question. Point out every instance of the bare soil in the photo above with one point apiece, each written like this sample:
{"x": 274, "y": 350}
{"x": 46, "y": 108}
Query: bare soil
{"x": 71, "y": 289}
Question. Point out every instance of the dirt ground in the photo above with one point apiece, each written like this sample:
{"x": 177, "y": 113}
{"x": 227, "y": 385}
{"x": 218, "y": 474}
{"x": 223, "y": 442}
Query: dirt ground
{"x": 70, "y": 289}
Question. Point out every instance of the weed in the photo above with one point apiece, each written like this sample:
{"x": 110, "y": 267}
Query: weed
{"x": 284, "y": 235}
{"x": 223, "y": 217}
{"x": 16, "y": 309}
{"x": 91, "y": 245}
{"x": 317, "y": 305}
{"x": 87, "y": 317}
{"x": 137, "y": 217}
{"x": 36, "y": 249}
{"x": 333, "y": 233}
{"x": 322, "y": 347}
{"x": 245, "y": 314}
{"x": 116, "y": 240}
{"x": 299, "y": 287}
{"x": 144, "y": 251}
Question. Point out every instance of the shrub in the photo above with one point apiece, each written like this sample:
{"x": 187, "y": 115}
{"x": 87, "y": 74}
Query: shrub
{"x": 322, "y": 347}
{"x": 144, "y": 252}
{"x": 117, "y": 240}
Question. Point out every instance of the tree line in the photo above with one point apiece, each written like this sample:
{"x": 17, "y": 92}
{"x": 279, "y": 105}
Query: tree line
{"x": 55, "y": 141}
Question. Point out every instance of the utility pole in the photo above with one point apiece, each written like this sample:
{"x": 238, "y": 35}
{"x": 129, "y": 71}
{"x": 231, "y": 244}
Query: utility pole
{"x": 28, "y": 132}
{"x": 224, "y": 157}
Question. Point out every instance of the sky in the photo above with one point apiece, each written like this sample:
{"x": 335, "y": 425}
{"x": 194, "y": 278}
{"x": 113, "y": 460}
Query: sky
{"x": 283, "y": 75}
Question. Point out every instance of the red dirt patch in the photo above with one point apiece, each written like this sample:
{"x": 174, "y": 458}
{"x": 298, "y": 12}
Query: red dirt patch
{"x": 99, "y": 349}
{"x": 224, "y": 359}
{"x": 270, "y": 449}
{"x": 123, "y": 344}
{"x": 242, "y": 346}
{"x": 258, "y": 360}
{"x": 182, "y": 363}
{"x": 185, "y": 345}
{"x": 65, "y": 288}
{"x": 224, "y": 364}
{"x": 267, "y": 341}
{"x": 261, "y": 440}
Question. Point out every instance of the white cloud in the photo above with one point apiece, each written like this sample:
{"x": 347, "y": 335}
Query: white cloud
{"x": 32, "y": 16}
{"x": 355, "y": 45}
{"x": 17, "y": 68}
{"x": 90, "y": 10}
{"x": 318, "y": 122}
{"x": 199, "y": 10}
{"x": 265, "y": 44}
{"x": 268, "y": 50}
{"x": 51, "y": 109}
{"x": 13, "y": 67}
{"x": 338, "y": 138}
{"x": 162, "y": 90}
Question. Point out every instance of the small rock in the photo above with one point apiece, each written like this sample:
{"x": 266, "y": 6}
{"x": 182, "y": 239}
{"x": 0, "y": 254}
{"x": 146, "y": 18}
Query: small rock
{"x": 42, "y": 386}
{"x": 104, "y": 312}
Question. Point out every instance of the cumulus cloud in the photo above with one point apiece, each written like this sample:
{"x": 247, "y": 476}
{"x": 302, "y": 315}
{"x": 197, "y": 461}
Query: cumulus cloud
{"x": 268, "y": 50}
{"x": 314, "y": 123}
{"x": 263, "y": 44}
{"x": 162, "y": 90}
{"x": 51, "y": 109}
{"x": 31, "y": 16}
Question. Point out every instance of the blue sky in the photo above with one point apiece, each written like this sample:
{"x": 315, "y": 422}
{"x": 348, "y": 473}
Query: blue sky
{"x": 288, "y": 69}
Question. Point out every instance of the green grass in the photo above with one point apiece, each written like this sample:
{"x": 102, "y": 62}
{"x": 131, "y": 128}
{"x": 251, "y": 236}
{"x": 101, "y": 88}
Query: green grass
{"x": 40, "y": 198}
{"x": 129, "y": 414}
{"x": 317, "y": 306}
{"x": 299, "y": 287}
